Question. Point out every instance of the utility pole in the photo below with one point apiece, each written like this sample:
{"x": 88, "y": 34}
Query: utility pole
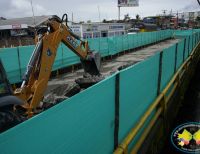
{"x": 177, "y": 19}
{"x": 99, "y": 14}
{"x": 33, "y": 13}
{"x": 171, "y": 12}
{"x": 164, "y": 12}
{"x": 118, "y": 12}
{"x": 72, "y": 17}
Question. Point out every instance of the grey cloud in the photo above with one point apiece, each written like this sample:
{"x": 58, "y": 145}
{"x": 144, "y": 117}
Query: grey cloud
{"x": 193, "y": 6}
{"x": 20, "y": 8}
{"x": 87, "y": 9}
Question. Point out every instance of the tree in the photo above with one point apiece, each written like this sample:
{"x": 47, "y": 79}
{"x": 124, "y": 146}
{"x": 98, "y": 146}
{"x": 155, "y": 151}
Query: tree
{"x": 126, "y": 17}
{"x": 2, "y": 18}
{"x": 198, "y": 18}
{"x": 89, "y": 21}
{"x": 137, "y": 17}
{"x": 104, "y": 21}
{"x": 198, "y": 21}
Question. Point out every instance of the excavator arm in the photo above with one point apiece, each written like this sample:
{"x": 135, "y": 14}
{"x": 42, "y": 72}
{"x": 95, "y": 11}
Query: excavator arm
{"x": 40, "y": 65}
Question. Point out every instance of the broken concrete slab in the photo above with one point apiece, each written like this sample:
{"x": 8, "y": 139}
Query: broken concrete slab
{"x": 88, "y": 81}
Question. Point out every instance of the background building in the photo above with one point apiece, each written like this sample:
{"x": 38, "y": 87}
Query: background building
{"x": 17, "y": 32}
{"x": 94, "y": 30}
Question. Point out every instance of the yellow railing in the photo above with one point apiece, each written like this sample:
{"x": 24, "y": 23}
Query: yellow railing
{"x": 160, "y": 104}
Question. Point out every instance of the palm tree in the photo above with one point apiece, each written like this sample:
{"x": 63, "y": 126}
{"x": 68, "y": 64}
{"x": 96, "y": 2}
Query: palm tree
{"x": 138, "y": 17}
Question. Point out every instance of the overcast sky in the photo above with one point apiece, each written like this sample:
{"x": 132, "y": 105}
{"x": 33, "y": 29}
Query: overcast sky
{"x": 84, "y": 10}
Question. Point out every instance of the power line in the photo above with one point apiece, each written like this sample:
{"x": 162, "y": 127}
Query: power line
{"x": 198, "y": 1}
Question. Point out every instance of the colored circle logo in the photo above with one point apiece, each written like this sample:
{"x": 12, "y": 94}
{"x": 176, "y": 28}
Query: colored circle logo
{"x": 186, "y": 137}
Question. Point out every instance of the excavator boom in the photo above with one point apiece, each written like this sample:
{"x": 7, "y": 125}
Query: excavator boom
{"x": 41, "y": 62}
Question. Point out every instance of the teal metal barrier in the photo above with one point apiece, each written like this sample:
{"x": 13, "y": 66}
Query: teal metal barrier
{"x": 65, "y": 57}
{"x": 70, "y": 127}
{"x": 85, "y": 123}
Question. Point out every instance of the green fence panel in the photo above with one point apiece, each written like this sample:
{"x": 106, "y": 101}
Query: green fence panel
{"x": 94, "y": 44}
{"x": 180, "y": 51}
{"x": 143, "y": 38}
{"x": 139, "y": 39}
{"x": 147, "y": 37}
{"x": 194, "y": 40}
{"x": 191, "y": 43}
{"x": 58, "y": 63}
{"x": 85, "y": 122}
{"x": 106, "y": 46}
{"x": 9, "y": 57}
{"x": 187, "y": 47}
{"x": 104, "y": 49}
{"x": 68, "y": 57}
{"x": 81, "y": 124}
{"x": 131, "y": 42}
{"x": 112, "y": 46}
{"x": 168, "y": 63}
{"x": 154, "y": 37}
{"x": 161, "y": 35}
{"x": 119, "y": 43}
{"x": 125, "y": 42}
{"x": 135, "y": 83}
{"x": 168, "y": 33}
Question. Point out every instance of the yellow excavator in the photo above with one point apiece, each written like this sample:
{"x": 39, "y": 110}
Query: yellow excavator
{"x": 39, "y": 68}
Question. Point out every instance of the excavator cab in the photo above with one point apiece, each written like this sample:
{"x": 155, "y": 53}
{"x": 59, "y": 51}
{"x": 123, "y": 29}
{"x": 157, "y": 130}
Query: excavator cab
{"x": 8, "y": 118}
{"x": 6, "y": 93}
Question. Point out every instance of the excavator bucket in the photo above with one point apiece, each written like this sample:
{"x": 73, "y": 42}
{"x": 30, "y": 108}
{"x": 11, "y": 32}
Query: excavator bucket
{"x": 92, "y": 63}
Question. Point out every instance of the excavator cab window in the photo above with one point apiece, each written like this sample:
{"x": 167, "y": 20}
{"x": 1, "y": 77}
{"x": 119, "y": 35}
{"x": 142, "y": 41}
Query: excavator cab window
{"x": 5, "y": 88}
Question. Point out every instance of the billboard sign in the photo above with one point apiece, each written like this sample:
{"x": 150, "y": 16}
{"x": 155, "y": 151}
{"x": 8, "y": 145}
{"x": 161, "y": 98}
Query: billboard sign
{"x": 16, "y": 26}
{"x": 128, "y": 3}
